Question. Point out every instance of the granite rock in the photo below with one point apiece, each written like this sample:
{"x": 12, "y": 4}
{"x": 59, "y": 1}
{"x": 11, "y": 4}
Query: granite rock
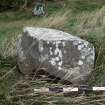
{"x": 61, "y": 54}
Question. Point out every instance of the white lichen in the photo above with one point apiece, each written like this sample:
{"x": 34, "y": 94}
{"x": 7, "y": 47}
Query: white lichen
{"x": 83, "y": 57}
{"x": 57, "y": 58}
{"x": 50, "y": 48}
{"x": 48, "y": 42}
{"x": 58, "y": 55}
{"x": 58, "y": 42}
{"x": 60, "y": 63}
{"x": 56, "y": 51}
{"x": 59, "y": 68}
{"x": 64, "y": 44}
{"x": 53, "y": 62}
{"x": 41, "y": 46}
{"x": 51, "y": 53}
{"x": 41, "y": 49}
{"x": 79, "y": 41}
{"x": 80, "y": 62}
{"x": 80, "y": 47}
{"x": 86, "y": 43}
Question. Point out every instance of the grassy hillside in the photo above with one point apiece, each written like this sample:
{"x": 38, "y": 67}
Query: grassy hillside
{"x": 83, "y": 18}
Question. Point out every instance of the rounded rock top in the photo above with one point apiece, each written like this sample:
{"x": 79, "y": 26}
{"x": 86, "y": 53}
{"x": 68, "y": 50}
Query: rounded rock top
{"x": 49, "y": 34}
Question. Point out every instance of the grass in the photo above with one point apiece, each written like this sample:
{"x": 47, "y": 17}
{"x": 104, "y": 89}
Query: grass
{"x": 84, "y": 5}
{"x": 81, "y": 18}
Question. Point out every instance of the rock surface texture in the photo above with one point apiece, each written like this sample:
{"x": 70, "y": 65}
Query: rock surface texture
{"x": 63, "y": 55}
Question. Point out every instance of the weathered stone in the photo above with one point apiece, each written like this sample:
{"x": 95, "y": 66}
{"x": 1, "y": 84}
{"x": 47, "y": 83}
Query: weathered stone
{"x": 63, "y": 55}
{"x": 39, "y": 8}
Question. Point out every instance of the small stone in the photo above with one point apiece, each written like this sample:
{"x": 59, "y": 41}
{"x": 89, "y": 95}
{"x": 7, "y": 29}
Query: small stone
{"x": 39, "y": 8}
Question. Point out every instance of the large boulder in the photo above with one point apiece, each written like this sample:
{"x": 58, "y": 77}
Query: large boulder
{"x": 60, "y": 54}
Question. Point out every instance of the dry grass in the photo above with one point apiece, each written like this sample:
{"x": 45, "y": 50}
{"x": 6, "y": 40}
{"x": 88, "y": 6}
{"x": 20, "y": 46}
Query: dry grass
{"x": 90, "y": 21}
{"x": 9, "y": 48}
{"x": 57, "y": 21}
{"x": 24, "y": 90}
